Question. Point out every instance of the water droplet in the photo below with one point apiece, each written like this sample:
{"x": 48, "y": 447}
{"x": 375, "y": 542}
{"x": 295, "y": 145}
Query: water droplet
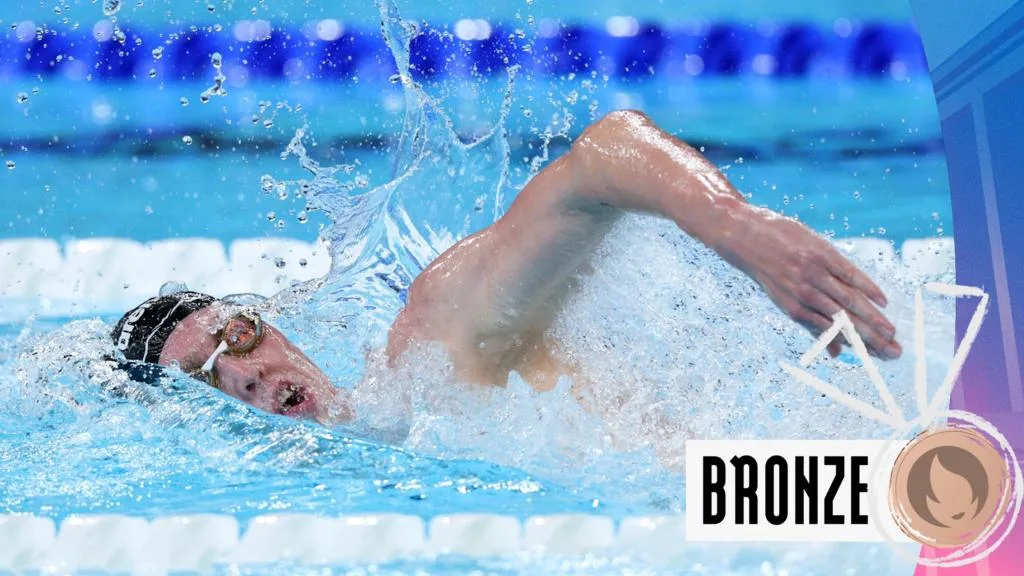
{"x": 267, "y": 183}
{"x": 22, "y": 97}
{"x": 187, "y": 140}
{"x": 279, "y": 262}
{"x": 158, "y": 52}
{"x": 110, "y": 7}
{"x": 184, "y": 101}
{"x": 10, "y": 164}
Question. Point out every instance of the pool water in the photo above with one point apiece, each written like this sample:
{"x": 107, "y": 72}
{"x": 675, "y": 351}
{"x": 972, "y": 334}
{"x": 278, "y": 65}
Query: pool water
{"x": 391, "y": 177}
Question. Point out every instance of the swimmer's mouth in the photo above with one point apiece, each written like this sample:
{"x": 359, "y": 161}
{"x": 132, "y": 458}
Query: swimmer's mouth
{"x": 291, "y": 397}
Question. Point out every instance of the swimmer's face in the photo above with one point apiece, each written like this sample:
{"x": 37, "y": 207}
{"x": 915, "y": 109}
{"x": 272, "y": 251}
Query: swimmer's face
{"x": 275, "y": 376}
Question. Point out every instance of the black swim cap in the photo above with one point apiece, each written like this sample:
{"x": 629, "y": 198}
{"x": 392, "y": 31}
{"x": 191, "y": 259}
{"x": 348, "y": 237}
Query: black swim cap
{"x": 143, "y": 331}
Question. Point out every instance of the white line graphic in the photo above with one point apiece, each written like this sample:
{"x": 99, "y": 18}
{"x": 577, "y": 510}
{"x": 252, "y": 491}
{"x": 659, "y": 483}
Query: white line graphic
{"x": 893, "y": 416}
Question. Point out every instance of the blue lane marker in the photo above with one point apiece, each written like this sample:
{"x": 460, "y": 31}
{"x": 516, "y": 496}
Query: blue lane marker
{"x": 646, "y": 50}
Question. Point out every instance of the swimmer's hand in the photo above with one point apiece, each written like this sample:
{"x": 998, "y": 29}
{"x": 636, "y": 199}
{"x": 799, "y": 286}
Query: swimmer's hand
{"x": 806, "y": 277}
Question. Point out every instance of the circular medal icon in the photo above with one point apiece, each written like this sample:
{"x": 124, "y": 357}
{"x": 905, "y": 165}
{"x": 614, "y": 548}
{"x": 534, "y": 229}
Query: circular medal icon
{"x": 950, "y": 487}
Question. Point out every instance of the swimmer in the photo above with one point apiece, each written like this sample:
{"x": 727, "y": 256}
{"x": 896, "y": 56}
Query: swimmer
{"x": 491, "y": 298}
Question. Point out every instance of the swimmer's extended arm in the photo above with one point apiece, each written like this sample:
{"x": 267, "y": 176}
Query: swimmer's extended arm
{"x": 491, "y": 295}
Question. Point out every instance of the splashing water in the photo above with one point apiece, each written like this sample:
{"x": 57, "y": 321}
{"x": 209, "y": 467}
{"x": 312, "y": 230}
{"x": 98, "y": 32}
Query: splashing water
{"x": 676, "y": 343}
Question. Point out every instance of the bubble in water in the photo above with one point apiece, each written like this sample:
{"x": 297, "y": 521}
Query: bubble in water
{"x": 110, "y": 7}
{"x": 856, "y": 194}
{"x": 152, "y": 72}
{"x": 302, "y": 217}
{"x": 302, "y": 262}
{"x": 119, "y": 36}
{"x": 216, "y": 60}
{"x": 10, "y": 164}
{"x": 184, "y": 101}
{"x": 268, "y": 123}
{"x": 279, "y": 225}
{"x": 158, "y": 52}
{"x": 22, "y": 97}
{"x": 271, "y": 216}
{"x": 279, "y": 262}
{"x": 187, "y": 140}
{"x": 211, "y": 8}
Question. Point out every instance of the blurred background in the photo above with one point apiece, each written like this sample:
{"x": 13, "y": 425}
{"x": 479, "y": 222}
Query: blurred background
{"x": 153, "y": 119}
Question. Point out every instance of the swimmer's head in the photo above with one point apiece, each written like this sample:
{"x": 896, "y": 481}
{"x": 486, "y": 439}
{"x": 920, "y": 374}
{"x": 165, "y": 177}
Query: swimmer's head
{"x": 228, "y": 346}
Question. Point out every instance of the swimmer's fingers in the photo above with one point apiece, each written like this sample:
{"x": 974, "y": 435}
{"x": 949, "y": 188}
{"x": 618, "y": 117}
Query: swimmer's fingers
{"x": 816, "y": 323}
{"x": 850, "y": 275}
{"x": 874, "y": 329}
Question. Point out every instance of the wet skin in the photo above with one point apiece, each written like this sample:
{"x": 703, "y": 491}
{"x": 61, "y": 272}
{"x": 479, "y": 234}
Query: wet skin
{"x": 275, "y": 376}
{"x": 492, "y": 297}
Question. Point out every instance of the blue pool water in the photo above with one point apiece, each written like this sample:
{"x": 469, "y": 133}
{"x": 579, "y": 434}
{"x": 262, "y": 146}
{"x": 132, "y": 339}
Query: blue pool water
{"x": 850, "y": 157}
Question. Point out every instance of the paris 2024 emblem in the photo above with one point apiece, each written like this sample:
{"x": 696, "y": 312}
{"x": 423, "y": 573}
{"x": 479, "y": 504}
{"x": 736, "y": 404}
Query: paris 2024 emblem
{"x": 949, "y": 487}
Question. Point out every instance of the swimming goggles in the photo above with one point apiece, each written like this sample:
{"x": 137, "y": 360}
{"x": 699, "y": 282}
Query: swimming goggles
{"x": 241, "y": 334}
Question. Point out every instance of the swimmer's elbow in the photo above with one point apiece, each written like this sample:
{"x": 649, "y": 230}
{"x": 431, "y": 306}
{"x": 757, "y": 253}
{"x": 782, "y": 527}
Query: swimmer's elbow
{"x": 606, "y": 150}
{"x": 614, "y": 127}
